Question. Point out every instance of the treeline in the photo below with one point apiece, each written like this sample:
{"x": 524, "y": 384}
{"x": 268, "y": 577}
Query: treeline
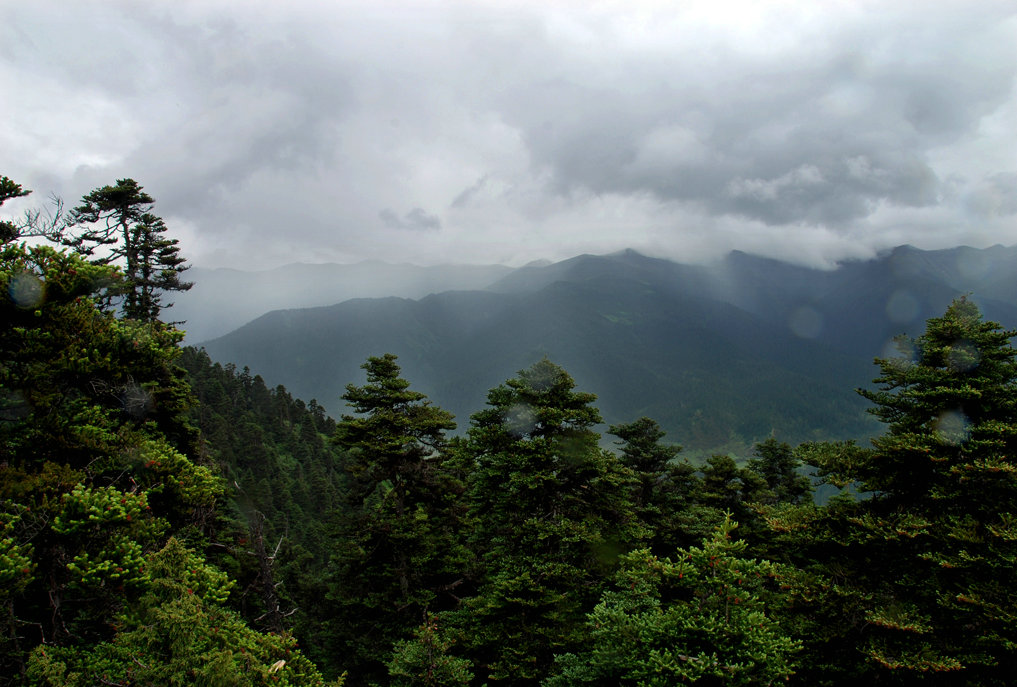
{"x": 108, "y": 500}
{"x": 522, "y": 552}
{"x": 167, "y": 520}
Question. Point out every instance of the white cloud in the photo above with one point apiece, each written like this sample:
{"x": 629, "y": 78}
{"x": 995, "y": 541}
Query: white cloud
{"x": 518, "y": 130}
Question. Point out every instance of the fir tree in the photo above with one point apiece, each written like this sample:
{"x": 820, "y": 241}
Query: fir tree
{"x": 703, "y": 616}
{"x": 921, "y": 577}
{"x": 667, "y": 492}
{"x": 398, "y": 552}
{"x": 550, "y": 512}
{"x": 118, "y": 218}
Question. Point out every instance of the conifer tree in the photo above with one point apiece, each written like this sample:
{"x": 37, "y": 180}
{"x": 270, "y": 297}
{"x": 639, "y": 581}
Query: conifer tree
{"x": 178, "y": 633}
{"x": 550, "y": 512}
{"x": 93, "y": 444}
{"x": 398, "y": 552}
{"x": 9, "y": 189}
{"x": 921, "y": 577}
{"x": 776, "y": 463}
{"x": 703, "y": 616}
{"x": 99, "y": 471}
{"x": 667, "y": 492}
{"x": 118, "y": 218}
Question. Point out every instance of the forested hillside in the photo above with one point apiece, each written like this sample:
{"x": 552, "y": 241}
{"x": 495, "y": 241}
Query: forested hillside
{"x": 167, "y": 519}
{"x": 107, "y": 500}
{"x": 722, "y": 356}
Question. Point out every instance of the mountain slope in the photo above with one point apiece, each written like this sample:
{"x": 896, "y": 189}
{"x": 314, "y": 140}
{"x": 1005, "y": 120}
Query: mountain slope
{"x": 224, "y": 299}
{"x": 720, "y": 356}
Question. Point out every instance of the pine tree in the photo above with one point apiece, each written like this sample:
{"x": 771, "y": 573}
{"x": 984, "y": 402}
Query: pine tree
{"x": 118, "y": 218}
{"x": 703, "y": 616}
{"x": 398, "y": 552}
{"x": 550, "y": 512}
{"x": 922, "y": 575}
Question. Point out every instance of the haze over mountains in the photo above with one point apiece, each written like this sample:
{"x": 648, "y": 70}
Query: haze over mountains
{"x": 720, "y": 355}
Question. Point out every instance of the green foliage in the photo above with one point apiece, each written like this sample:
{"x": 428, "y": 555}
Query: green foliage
{"x": 118, "y": 218}
{"x": 178, "y": 633}
{"x": 9, "y": 189}
{"x": 667, "y": 493}
{"x": 285, "y": 486}
{"x": 777, "y": 464}
{"x": 16, "y": 564}
{"x": 551, "y": 511}
{"x": 95, "y": 444}
{"x": 701, "y": 617}
{"x": 425, "y": 660}
{"x": 91, "y": 429}
{"x": 397, "y": 550}
{"x": 920, "y": 578}
{"x": 157, "y": 267}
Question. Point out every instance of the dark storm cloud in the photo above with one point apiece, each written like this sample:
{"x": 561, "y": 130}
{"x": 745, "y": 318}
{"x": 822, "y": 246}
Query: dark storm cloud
{"x": 821, "y": 142}
{"x": 516, "y": 130}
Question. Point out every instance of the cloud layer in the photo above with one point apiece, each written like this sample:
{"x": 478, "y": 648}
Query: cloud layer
{"x": 482, "y": 132}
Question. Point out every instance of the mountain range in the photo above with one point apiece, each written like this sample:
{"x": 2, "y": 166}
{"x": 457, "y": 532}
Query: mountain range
{"x": 720, "y": 355}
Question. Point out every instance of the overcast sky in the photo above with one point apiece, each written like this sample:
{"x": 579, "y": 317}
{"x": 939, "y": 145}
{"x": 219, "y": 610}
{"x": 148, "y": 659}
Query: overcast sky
{"x": 429, "y": 132}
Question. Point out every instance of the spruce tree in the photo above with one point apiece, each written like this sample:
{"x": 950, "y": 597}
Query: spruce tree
{"x": 921, "y": 576}
{"x": 397, "y": 553}
{"x": 550, "y": 511}
{"x": 118, "y": 219}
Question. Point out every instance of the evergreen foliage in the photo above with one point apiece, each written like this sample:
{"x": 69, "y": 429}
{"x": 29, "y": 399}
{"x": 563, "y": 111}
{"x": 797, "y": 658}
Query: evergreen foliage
{"x": 178, "y": 633}
{"x": 284, "y": 485}
{"x": 550, "y": 512}
{"x": 667, "y": 493}
{"x": 703, "y": 616}
{"x": 776, "y": 463}
{"x": 920, "y": 577}
{"x": 426, "y": 660}
{"x": 407, "y": 558}
{"x": 118, "y": 218}
{"x": 102, "y": 478}
{"x": 9, "y": 189}
{"x": 93, "y": 442}
{"x": 397, "y": 553}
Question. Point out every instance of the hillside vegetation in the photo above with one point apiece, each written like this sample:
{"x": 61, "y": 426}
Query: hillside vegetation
{"x": 167, "y": 519}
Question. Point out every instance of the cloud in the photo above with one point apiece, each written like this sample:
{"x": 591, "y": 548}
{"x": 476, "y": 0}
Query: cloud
{"x": 516, "y": 130}
{"x": 995, "y": 196}
{"x": 416, "y": 219}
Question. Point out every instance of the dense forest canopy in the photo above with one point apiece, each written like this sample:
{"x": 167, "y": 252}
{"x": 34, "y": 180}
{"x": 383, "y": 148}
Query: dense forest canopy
{"x": 170, "y": 520}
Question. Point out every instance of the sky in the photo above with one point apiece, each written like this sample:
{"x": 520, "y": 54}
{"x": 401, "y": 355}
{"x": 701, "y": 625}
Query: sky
{"x": 504, "y": 132}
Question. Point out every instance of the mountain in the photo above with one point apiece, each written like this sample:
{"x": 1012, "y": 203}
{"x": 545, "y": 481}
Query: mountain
{"x": 223, "y": 299}
{"x": 721, "y": 356}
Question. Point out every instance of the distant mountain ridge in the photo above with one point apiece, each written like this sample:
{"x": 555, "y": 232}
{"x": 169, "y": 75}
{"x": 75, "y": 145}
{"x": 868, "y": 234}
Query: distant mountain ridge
{"x": 224, "y": 299}
{"x": 721, "y": 356}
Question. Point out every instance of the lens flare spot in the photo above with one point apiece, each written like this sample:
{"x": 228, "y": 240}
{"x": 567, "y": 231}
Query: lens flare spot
{"x": 952, "y": 427}
{"x": 520, "y": 419}
{"x": 137, "y": 401}
{"x": 806, "y": 322}
{"x": 962, "y": 357}
{"x": 900, "y": 348}
{"x": 26, "y": 290}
